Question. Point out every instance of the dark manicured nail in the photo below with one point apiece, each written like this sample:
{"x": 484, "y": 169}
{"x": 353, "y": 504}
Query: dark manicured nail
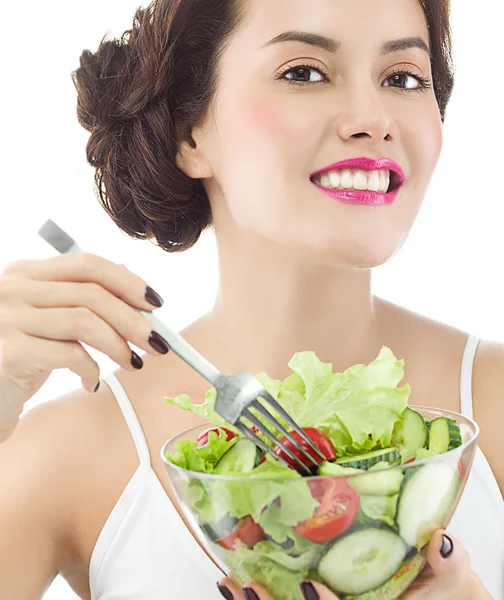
{"x": 308, "y": 591}
{"x": 136, "y": 361}
{"x": 447, "y": 546}
{"x": 97, "y": 387}
{"x": 158, "y": 343}
{"x": 225, "y": 592}
{"x": 250, "y": 594}
{"x": 153, "y": 297}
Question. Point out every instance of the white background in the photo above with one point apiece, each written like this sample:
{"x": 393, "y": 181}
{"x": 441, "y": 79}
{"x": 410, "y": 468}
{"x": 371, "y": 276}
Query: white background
{"x": 455, "y": 251}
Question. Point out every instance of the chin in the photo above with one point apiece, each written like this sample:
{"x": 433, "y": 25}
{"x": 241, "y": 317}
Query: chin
{"x": 358, "y": 254}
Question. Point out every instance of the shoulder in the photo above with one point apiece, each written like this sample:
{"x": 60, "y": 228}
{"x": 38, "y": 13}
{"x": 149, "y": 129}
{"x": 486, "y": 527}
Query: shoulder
{"x": 488, "y": 400}
{"x": 57, "y": 456}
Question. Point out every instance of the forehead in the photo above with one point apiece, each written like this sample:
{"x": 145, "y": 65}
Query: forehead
{"x": 353, "y": 23}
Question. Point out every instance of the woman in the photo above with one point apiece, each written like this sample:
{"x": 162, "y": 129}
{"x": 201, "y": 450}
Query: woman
{"x": 210, "y": 113}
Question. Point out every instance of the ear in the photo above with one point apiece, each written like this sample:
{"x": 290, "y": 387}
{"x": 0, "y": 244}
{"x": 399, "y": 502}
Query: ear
{"x": 191, "y": 160}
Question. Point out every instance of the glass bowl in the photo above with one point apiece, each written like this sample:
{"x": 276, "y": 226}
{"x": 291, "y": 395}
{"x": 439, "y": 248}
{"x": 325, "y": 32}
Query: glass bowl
{"x": 362, "y": 535}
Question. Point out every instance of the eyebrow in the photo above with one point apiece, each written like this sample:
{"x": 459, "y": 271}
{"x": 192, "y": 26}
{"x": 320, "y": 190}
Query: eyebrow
{"x": 333, "y": 46}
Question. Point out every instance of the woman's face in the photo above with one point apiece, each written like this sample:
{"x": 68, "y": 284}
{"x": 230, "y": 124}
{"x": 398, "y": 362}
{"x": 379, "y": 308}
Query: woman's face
{"x": 268, "y": 133}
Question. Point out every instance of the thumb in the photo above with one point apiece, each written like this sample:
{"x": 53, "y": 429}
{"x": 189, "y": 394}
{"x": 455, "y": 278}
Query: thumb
{"x": 448, "y": 559}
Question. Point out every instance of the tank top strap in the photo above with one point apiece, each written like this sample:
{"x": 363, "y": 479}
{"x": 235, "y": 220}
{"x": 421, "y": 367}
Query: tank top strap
{"x": 466, "y": 400}
{"x": 130, "y": 417}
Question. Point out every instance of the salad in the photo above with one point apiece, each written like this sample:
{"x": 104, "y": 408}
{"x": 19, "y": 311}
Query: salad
{"x": 359, "y": 523}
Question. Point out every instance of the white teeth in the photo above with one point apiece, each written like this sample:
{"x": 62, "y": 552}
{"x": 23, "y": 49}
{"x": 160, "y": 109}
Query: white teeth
{"x": 347, "y": 179}
{"x": 374, "y": 182}
{"x": 357, "y": 179}
{"x": 334, "y": 178}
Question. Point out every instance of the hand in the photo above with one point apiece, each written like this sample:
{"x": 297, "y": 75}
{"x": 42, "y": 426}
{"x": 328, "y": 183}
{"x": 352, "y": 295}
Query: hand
{"x": 47, "y": 306}
{"x": 447, "y": 578}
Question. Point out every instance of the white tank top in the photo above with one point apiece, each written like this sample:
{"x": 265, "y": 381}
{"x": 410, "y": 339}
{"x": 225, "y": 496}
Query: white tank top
{"x": 146, "y": 551}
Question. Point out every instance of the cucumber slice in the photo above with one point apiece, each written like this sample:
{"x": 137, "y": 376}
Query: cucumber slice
{"x": 398, "y": 584}
{"x": 330, "y": 469}
{"x": 410, "y": 434}
{"x": 364, "y": 461}
{"x": 425, "y": 502}
{"x": 444, "y": 435}
{"x": 381, "y": 483}
{"x": 242, "y": 457}
{"x": 362, "y": 561}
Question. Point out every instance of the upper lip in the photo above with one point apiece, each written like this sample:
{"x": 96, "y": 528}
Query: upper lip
{"x": 368, "y": 164}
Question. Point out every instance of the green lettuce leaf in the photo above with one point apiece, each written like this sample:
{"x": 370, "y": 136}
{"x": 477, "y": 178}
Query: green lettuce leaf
{"x": 357, "y": 408}
{"x": 270, "y": 566}
{"x": 205, "y": 410}
{"x": 202, "y": 459}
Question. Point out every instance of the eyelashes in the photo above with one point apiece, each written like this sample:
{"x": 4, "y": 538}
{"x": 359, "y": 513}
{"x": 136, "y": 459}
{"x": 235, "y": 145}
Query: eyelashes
{"x": 424, "y": 83}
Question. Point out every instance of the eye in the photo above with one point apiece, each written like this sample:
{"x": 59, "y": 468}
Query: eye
{"x": 303, "y": 72}
{"x": 400, "y": 76}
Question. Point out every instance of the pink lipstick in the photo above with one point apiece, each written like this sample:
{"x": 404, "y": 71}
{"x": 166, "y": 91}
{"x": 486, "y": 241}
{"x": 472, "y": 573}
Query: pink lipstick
{"x": 364, "y": 197}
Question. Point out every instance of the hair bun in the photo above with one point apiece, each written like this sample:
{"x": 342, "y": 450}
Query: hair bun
{"x": 101, "y": 85}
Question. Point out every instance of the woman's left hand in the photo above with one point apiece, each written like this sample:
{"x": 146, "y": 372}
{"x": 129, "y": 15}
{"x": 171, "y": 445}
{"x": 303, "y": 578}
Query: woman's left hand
{"x": 447, "y": 576}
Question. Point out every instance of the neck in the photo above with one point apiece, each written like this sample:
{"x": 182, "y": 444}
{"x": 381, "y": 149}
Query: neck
{"x": 272, "y": 302}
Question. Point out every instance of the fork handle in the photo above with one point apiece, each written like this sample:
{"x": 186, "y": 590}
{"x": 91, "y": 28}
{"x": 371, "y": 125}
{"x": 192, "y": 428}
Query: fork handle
{"x": 183, "y": 349}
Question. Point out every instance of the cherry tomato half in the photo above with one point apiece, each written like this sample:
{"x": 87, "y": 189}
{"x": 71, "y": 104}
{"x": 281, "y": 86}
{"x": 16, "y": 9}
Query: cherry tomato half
{"x": 320, "y": 440}
{"x": 202, "y": 438}
{"x": 247, "y": 531}
{"x": 339, "y": 506}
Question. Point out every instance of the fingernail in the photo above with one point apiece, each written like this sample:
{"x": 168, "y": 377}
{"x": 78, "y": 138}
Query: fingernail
{"x": 158, "y": 343}
{"x": 136, "y": 361}
{"x": 447, "y": 546}
{"x": 225, "y": 592}
{"x": 250, "y": 594}
{"x": 308, "y": 591}
{"x": 97, "y": 387}
{"x": 153, "y": 297}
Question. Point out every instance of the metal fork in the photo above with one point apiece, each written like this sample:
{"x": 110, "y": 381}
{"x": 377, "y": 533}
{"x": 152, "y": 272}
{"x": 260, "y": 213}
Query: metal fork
{"x": 236, "y": 394}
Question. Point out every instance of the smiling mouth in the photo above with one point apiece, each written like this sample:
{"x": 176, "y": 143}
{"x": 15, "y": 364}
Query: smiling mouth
{"x": 394, "y": 181}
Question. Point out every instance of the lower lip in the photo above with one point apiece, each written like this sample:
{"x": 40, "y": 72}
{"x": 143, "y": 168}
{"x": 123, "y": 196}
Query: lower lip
{"x": 365, "y": 198}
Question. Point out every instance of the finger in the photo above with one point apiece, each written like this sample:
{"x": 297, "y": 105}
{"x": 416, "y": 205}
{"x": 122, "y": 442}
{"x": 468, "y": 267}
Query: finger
{"x": 128, "y": 323}
{"x": 24, "y": 358}
{"x": 447, "y": 569}
{"x": 85, "y": 267}
{"x": 313, "y": 590}
{"x": 310, "y": 590}
{"x": 75, "y": 324}
{"x": 448, "y": 559}
{"x": 229, "y": 589}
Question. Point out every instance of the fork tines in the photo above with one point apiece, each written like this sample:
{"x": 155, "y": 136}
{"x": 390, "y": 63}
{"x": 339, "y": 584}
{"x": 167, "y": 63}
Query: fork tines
{"x": 278, "y": 443}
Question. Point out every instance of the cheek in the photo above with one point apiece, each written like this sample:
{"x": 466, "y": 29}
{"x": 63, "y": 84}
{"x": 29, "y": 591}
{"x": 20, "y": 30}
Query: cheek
{"x": 265, "y": 123}
{"x": 426, "y": 141}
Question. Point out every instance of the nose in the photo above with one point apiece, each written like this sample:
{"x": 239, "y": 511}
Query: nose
{"x": 363, "y": 114}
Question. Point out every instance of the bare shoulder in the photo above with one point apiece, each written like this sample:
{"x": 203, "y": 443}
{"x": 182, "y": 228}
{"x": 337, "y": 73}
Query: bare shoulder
{"x": 488, "y": 397}
{"x": 63, "y": 453}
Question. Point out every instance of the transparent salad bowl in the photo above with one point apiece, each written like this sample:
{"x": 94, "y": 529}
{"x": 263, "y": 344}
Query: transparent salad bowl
{"x": 363, "y": 534}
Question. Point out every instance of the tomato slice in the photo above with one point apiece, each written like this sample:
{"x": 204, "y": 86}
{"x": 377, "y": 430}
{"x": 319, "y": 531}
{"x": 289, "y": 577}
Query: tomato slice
{"x": 247, "y": 531}
{"x": 202, "y": 438}
{"x": 320, "y": 440}
{"x": 339, "y": 506}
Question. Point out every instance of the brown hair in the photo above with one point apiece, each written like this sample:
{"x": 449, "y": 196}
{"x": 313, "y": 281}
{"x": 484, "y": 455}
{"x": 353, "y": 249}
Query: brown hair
{"x": 142, "y": 94}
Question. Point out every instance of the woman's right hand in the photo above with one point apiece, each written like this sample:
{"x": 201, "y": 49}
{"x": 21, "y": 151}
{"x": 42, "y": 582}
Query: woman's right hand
{"x": 48, "y": 306}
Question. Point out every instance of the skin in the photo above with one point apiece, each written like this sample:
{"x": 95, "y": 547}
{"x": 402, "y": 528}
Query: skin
{"x": 294, "y": 274}
{"x": 274, "y": 230}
